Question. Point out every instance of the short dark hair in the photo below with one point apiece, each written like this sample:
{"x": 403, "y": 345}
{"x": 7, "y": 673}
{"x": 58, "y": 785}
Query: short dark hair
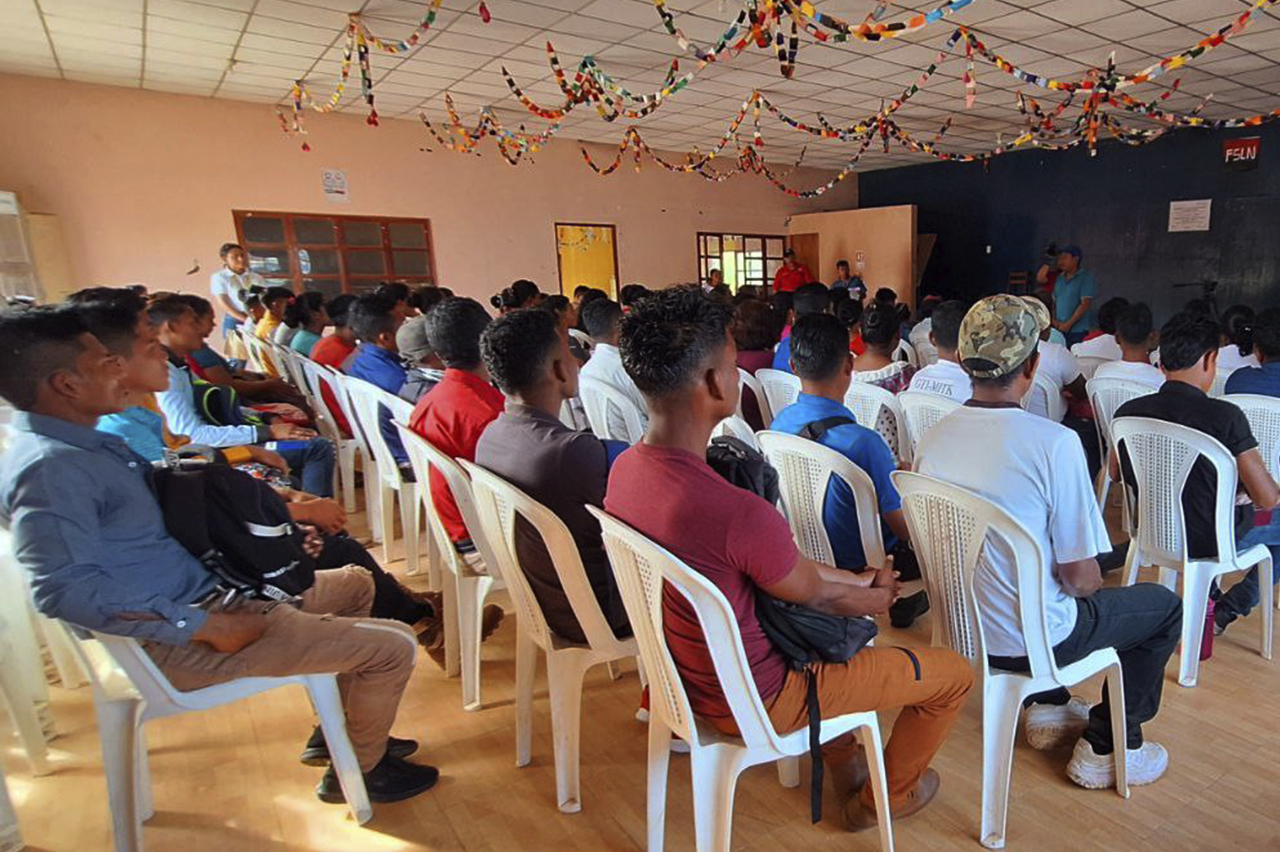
{"x": 632, "y": 293}
{"x": 227, "y": 248}
{"x": 880, "y": 323}
{"x": 125, "y": 295}
{"x": 1110, "y": 312}
{"x": 299, "y": 312}
{"x": 842, "y": 262}
{"x": 590, "y": 294}
{"x": 253, "y": 300}
{"x": 600, "y": 317}
{"x": 115, "y": 323}
{"x": 398, "y": 291}
{"x": 372, "y": 315}
{"x": 556, "y": 305}
{"x": 945, "y": 325}
{"x": 819, "y": 346}
{"x": 275, "y": 294}
{"x": 426, "y": 298}
{"x": 887, "y": 295}
{"x": 35, "y": 343}
{"x": 453, "y": 329}
{"x": 849, "y": 312}
{"x": 668, "y": 337}
{"x": 516, "y": 348}
{"x": 781, "y": 303}
{"x": 339, "y": 307}
{"x": 1185, "y": 339}
{"x": 1237, "y": 327}
{"x": 581, "y": 290}
{"x": 1134, "y": 324}
{"x": 754, "y": 328}
{"x": 1266, "y": 333}
{"x": 167, "y": 309}
{"x": 810, "y": 298}
{"x": 199, "y": 304}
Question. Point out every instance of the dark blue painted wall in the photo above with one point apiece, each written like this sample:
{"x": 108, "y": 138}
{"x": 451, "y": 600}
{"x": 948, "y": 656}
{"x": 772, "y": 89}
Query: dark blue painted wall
{"x": 1114, "y": 205}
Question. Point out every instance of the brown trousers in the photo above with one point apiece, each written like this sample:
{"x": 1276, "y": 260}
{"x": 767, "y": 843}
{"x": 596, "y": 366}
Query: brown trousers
{"x": 331, "y": 632}
{"x": 929, "y": 684}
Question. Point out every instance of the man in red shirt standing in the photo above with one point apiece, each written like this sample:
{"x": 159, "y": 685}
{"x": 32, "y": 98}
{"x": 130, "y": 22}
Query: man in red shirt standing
{"x": 791, "y": 275}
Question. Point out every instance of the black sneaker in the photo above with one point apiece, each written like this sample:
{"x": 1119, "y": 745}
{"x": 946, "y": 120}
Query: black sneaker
{"x": 392, "y": 780}
{"x": 1222, "y": 617}
{"x": 904, "y": 613}
{"x": 316, "y": 751}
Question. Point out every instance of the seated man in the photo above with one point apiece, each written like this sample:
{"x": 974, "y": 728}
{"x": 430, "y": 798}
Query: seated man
{"x": 1034, "y": 469}
{"x": 1135, "y": 333}
{"x": 1189, "y": 359}
{"x": 423, "y": 367}
{"x": 566, "y": 471}
{"x": 820, "y": 356}
{"x": 1056, "y": 362}
{"x": 811, "y": 298}
{"x": 678, "y": 347}
{"x": 89, "y": 532}
{"x": 601, "y": 318}
{"x": 180, "y": 334}
{"x": 945, "y": 377}
{"x": 1103, "y": 343}
{"x": 212, "y": 367}
{"x": 375, "y": 318}
{"x": 332, "y": 350}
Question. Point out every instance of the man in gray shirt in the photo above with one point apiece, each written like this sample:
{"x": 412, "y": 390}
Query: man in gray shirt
{"x": 528, "y": 357}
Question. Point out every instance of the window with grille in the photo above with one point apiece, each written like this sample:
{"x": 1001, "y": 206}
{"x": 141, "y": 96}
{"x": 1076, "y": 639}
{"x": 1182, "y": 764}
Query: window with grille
{"x": 335, "y": 254}
{"x": 742, "y": 258}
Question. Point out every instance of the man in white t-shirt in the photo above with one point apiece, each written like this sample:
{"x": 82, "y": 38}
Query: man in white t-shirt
{"x": 1056, "y": 362}
{"x": 1034, "y": 469}
{"x": 1105, "y": 344}
{"x": 944, "y": 377}
{"x": 1135, "y": 332}
{"x": 602, "y": 319}
{"x": 230, "y": 285}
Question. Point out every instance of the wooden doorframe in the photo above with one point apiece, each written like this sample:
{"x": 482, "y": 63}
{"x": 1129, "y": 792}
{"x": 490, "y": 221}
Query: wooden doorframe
{"x": 808, "y": 249}
{"x": 613, "y": 229}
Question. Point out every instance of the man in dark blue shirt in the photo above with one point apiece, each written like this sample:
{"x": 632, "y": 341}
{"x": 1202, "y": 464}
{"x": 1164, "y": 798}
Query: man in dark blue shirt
{"x": 375, "y": 320}
{"x": 811, "y": 298}
{"x": 88, "y": 530}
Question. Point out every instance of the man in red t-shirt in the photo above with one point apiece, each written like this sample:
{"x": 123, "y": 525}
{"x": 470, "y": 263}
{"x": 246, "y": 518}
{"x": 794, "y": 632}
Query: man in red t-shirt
{"x": 791, "y": 275}
{"x": 333, "y": 349}
{"x": 679, "y": 351}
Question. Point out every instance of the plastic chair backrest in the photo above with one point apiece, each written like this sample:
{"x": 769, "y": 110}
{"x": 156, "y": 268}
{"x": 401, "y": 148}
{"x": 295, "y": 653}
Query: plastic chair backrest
{"x": 584, "y": 340}
{"x": 1045, "y": 391}
{"x": 866, "y": 401}
{"x": 366, "y": 400}
{"x": 1161, "y": 455}
{"x": 780, "y": 389}
{"x": 1106, "y": 395}
{"x": 921, "y": 412}
{"x": 951, "y": 529}
{"x": 1264, "y": 419}
{"x": 1220, "y": 383}
{"x": 315, "y": 379}
{"x": 1089, "y": 364}
{"x": 498, "y": 504}
{"x": 734, "y": 426}
{"x": 907, "y": 352}
{"x": 642, "y": 569}
{"x": 804, "y": 470}
{"x": 750, "y": 382}
{"x": 600, "y": 399}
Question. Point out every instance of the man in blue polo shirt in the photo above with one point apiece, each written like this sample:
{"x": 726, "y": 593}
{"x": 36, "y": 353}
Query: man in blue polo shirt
{"x": 811, "y": 298}
{"x": 375, "y": 318}
{"x": 820, "y": 357}
{"x": 1073, "y": 296}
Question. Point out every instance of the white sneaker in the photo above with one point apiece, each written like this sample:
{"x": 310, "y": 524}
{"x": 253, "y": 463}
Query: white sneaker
{"x": 1050, "y": 726}
{"x": 1095, "y": 772}
{"x": 642, "y": 715}
{"x": 679, "y": 746}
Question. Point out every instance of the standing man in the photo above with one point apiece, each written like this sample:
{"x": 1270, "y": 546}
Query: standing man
{"x": 230, "y": 285}
{"x": 1073, "y": 295}
{"x": 844, "y": 281}
{"x": 791, "y": 275}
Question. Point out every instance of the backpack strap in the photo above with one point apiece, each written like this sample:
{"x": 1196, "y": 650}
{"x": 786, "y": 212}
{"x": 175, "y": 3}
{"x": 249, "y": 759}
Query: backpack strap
{"x": 815, "y": 747}
{"x": 815, "y": 430}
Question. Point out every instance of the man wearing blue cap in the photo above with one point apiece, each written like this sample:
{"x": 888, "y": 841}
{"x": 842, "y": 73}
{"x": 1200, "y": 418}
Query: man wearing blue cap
{"x": 1073, "y": 296}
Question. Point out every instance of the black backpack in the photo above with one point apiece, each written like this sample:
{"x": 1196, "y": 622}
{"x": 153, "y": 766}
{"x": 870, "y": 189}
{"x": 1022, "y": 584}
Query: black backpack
{"x": 237, "y": 526}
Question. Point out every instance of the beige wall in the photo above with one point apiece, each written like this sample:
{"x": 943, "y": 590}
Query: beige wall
{"x": 887, "y": 236}
{"x": 144, "y": 182}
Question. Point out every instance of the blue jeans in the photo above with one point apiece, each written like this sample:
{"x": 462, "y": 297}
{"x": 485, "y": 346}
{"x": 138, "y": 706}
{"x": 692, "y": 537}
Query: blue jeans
{"x": 314, "y": 466}
{"x": 1240, "y": 599}
{"x": 228, "y": 322}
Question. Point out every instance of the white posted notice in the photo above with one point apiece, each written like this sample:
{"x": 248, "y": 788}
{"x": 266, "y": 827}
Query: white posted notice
{"x": 1189, "y": 215}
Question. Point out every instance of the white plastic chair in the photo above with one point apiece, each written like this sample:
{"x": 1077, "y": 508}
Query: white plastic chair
{"x": 1220, "y": 383}
{"x": 583, "y": 339}
{"x": 866, "y": 401}
{"x": 10, "y": 833}
{"x": 316, "y": 377}
{"x": 465, "y": 587}
{"x": 1106, "y": 395}
{"x": 1048, "y": 396}
{"x": 906, "y": 352}
{"x": 600, "y": 400}
{"x": 1161, "y": 455}
{"x": 368, "y": 400}
{"x": 138, "y": 692}
{"x": 19, "y": 707}
{"x": 950, "y": 530}
{"x": 1089, "y": 364}
{"x": 734, "y": 426}
{"x": 780, "y": 389}
{"x": 642, "y": 568}
{"x": 750, "y": 382}
{"x": 921, "y": 412}
{"x": 804, "y": 470}
{"x": 498, "y": 504}
{"x": 1263, "y": 413}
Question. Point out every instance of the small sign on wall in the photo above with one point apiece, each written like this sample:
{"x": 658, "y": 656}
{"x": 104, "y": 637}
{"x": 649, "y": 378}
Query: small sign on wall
{"x": 1241, "y": 155}
{"x": 334, "y": 182}
{"x": 1189, "y": 215}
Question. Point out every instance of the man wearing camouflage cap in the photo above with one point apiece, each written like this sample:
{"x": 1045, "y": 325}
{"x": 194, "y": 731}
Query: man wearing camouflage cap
{"x": 423, "y": 367}
{"x": 1034, "y": 469}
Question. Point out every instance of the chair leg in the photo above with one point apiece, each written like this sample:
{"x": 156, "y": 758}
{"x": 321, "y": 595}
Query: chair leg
{"x": 409, "y": 506}
{"x": 10, "y": 834}
{"x": 656, "y": 797}
{"x": 614, "y": 669}
{"x": 1119, "y": 737}
{"x": 118, "y": 728}
{"x": 144, "y": 794}
{"x": 564, "y": 681}
{"x": 372, "y": 498}
{"x": 64, "y": 659}
{"x": 1000, "y": 710}
{"x": 435, "y": 560}
{"x": 715, "y": 779}
{"x": 328, "y": 706}
{"x": 526, "y": 672}
{"x": 347, "y": 476}
{"x": 1195, "y": 601}
{"x": 789, "y": 772}
{"x": 23, "y": 713}
{"x": 1265, "y": 575}
{"x": 386, "y": 518}
{"x": 471, "y": 595}
{"x": 869, "y": 735}
{"x": 1132, "y": 562}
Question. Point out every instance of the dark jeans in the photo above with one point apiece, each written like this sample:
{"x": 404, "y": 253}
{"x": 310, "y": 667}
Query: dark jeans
{"x": 313, "y": 465}
{"x": 1074, "y": 337}
{"x": 390, "y": 599}
{"x": 1088, "y": 433}
{"x": 1143, "y": 623}
{"x": 1240, "y": 599}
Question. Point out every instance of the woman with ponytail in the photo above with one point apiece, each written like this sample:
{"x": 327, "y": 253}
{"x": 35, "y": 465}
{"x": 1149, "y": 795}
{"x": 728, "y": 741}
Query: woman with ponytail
{"x": 1237, "y": 339}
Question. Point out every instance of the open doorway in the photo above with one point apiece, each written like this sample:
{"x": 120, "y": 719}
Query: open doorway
{"x": 587, "y": 255}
